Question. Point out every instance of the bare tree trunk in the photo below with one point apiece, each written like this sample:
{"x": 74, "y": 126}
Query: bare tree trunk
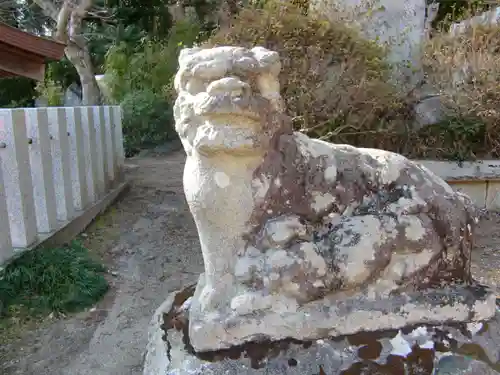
{"x": 78, "y": 53}
{"x": 69, "y": 20}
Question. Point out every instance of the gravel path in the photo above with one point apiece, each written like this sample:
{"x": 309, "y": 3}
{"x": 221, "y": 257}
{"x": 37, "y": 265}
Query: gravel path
{"x": 149, "y": 242}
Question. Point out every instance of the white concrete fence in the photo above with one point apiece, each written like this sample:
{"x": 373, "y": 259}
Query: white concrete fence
{"x": 55, "y": 163}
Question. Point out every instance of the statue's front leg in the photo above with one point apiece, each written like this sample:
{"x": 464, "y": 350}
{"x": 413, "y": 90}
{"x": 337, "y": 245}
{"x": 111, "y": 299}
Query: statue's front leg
{"x": 219, "y": 253}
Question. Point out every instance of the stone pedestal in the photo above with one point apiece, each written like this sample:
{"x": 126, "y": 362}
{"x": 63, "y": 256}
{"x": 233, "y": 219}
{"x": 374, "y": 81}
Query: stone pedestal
{"x": 448, "y": 349}
{"x": 338, "y": 315}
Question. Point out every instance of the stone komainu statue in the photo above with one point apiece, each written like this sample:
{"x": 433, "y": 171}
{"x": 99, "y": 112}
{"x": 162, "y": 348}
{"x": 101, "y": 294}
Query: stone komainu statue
{"x": 303, "y": 238}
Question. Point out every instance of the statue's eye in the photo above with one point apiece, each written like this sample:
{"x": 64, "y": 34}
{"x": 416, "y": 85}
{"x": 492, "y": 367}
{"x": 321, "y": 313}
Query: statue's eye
{"x": 195, "y": 86}
{"x": 210, "y": 70}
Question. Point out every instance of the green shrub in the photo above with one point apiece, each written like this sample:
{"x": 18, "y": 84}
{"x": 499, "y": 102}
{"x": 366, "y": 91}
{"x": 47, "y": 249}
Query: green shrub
{"x": 147, "y": 120}
{"x": 140, "y": 79}
{"x": 150, "y": 65}
{"x": 59, "y": 75}
{"x": 52, "y": 92}
{"x": 145, "y": 69}
{"x": 62, "y": 73}
{"x": 17, "y": 92}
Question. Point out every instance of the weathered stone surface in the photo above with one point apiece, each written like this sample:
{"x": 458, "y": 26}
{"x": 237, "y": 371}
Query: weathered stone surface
{"x": 302, "y": 238}
{"x": 460, "y": 365}
{"x": 399, "y": 25}
{"x": 403, "y": 27}
{"x": 428, "y": 111}
{"x": 418, "y": 350}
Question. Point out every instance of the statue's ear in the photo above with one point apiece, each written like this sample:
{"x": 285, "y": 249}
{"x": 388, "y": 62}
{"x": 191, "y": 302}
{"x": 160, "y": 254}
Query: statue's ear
{"x": 269, "y": 61}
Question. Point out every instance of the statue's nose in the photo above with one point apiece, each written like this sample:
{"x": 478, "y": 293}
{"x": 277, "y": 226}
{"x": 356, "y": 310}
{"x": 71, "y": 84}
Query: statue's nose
{"x": 228, "y": 85}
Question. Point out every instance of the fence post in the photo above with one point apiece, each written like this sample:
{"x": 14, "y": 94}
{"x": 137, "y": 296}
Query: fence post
{"x": 109, "y": 143}
{"x": 37, "y": 126}
{"x": 101, "y": 184}
{"x": 6, "y": 250}
{"x": 17, "y": 177}
{"x": 78, "y": 174}
{"x": 89, "y": 149}
{"x": 61, "y": 168}
{"x": 118, "y": 135}
{"x": 105, "y": 160}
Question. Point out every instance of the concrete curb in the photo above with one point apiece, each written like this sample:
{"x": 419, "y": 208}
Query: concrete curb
{"x": 480, "y": 180}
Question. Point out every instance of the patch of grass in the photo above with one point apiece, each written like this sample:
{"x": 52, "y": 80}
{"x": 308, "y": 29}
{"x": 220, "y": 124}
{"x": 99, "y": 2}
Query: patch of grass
{"x": 45, "y": 281}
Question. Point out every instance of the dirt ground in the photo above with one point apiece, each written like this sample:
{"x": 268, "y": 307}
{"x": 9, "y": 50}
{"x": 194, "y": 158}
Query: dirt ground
{"x": 149, "y": 242}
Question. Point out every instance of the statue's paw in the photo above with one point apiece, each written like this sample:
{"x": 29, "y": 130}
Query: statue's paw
{"x": 213, "y": 298}
{"x": 208, "y": 298}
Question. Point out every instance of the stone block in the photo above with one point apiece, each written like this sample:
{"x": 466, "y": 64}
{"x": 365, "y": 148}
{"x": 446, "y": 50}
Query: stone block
{"x": 493, "y": 196}
{"x": 109, "y": 143}
{"x": 98, "y": 116}
{"x": 118, "y": 138}
{"x": 18, "y": 183}
{"x": 6, "y": 250}
{"x": 90, "y": 151}
{"x": 475, "y": 190}
{"x": 60, "y": 152}
{"x": 78, "y": 165}
{"x": 41, "y": 169}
